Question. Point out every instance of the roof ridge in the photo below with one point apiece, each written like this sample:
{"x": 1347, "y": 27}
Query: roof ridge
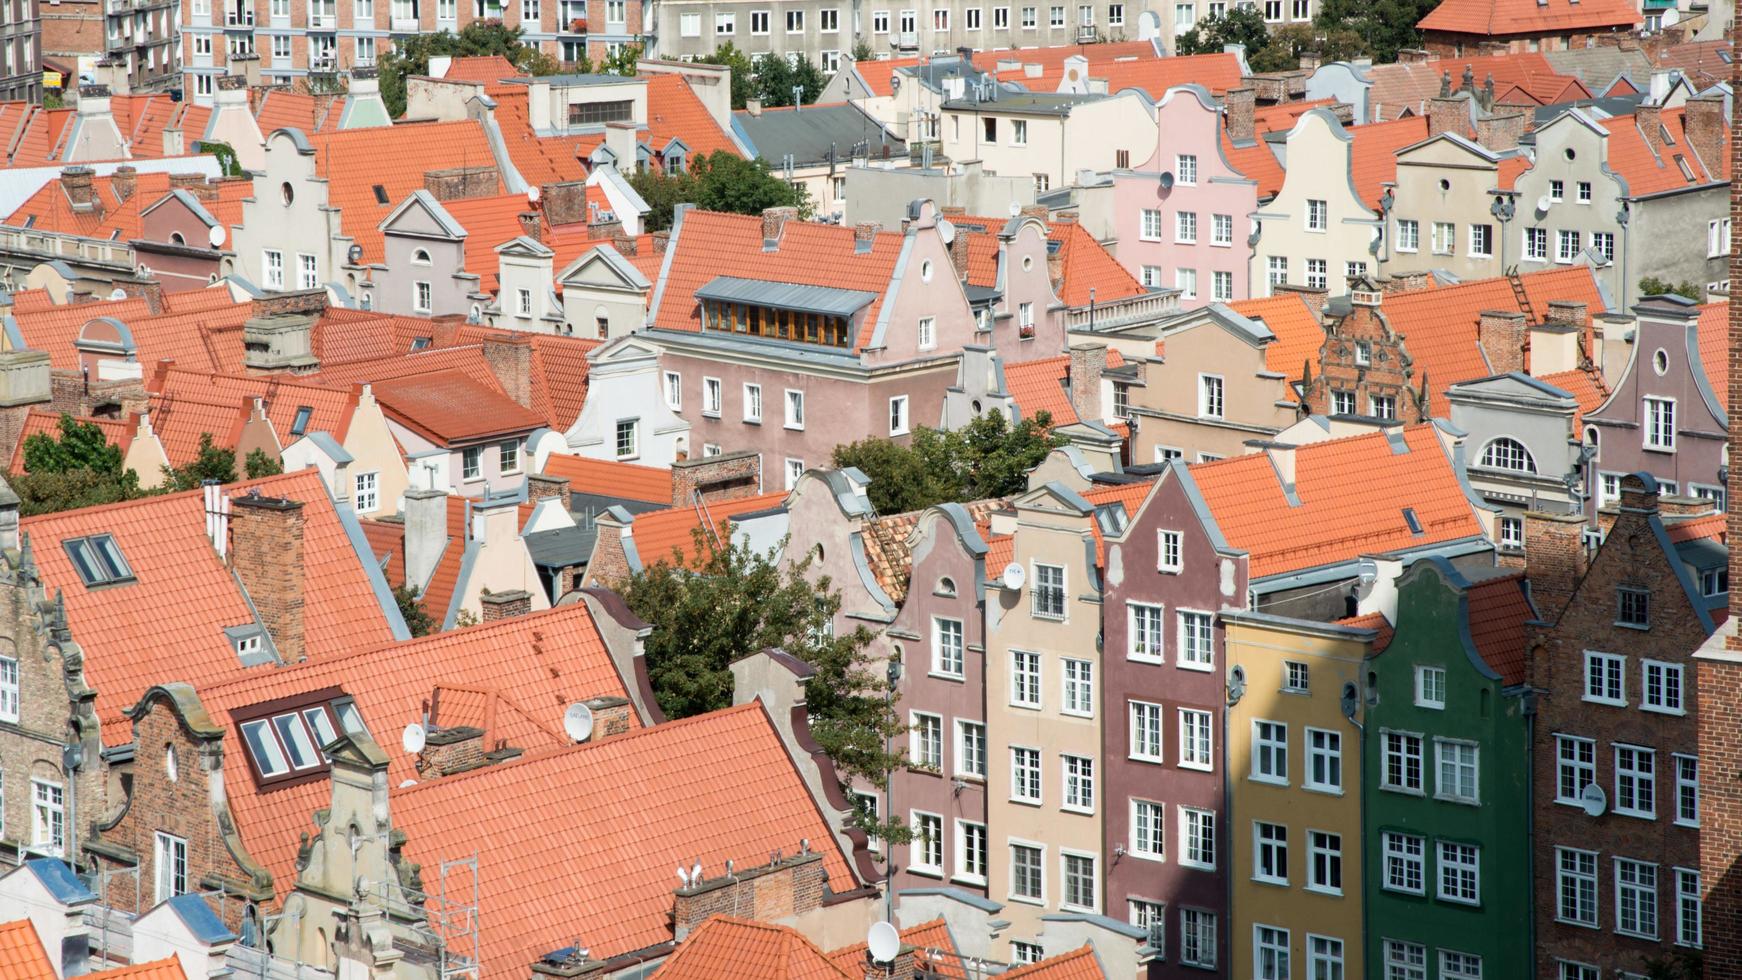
{"x": 244, "y": 484}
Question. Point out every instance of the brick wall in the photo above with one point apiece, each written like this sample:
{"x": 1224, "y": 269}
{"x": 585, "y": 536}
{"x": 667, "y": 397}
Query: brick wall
{"x": 1554, "y": 552}
{"x": 266, "y": 552}
{"x": 1387, "y": 373}
{"x": 505, "y": 605}
{"x": 510, "y": 358}
{"x": 461, "y": 182}
{"x": 781, "y": 890}
{"x": 450, "y": 750}
{"x": 729, "y": 476}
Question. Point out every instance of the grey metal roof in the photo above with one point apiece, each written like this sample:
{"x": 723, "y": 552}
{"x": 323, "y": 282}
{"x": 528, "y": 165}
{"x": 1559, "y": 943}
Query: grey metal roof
{"x": 1702, "y": 553}
{"x": 1599, "y": 66}
{"x": 59, "y": 881}
{"x": 561, "y": 547}
{"x": 786, "y": 296}
{"x": 205, "y": 925}
{"x": 810, "y": 133}
{"x": 1617, "y": 105}
{"x": 1030, "y": 103}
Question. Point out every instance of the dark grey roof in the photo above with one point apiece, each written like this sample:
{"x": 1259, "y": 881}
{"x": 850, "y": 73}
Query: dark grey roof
{"x": 1020, "y": 102}
{"x": 1618, "y": 105}
{"x": 59, "y": 881}
{"x": 200, "y": 920}
{"x": 786, "y": 296}
{"x": 585, "y": 505}
{"x": 1702, "y": 553}
{"x": 561, "y": 547}
{"x": 810, "y": 133}
{"x": 1599, "y": 66}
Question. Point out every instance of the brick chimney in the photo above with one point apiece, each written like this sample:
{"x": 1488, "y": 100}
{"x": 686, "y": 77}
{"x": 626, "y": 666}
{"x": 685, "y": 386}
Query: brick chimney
{"x": 510, "y": 358}
{"x": 959, "y": 254}
{"x": 266, "y": 553}
{"x": 1555, "y": 559}
{"x": 728, "y": 476}
{"x": 505, "y": 605}
{"x": 773, "y": 223}
{"x": 81, "y": 192}
{"x": 1500, "y": 132}
{"x": 1703, "y": 128}
{"x": 540, "y": 486}
{"x": 461, "y": 182}
{"x": 1501, "y": 336}
{"x": 125, "y": 179}
{"x": 1649, "y": 118}
{"x": 1448, "y": 115}
{"x": 865, "y": 234}
{"x": 531, "y": 226}
{"x": 565, "y": 203}
{"x": 1240, "y": 104}
{"x": 1412, "y": 56}
{"x": 1680, "y": 506}
{"x": 1084, "y": 381}
{"x": 611, "y": 716}
{"x": 447, "y": 751}
{"x": 783, "y": 889}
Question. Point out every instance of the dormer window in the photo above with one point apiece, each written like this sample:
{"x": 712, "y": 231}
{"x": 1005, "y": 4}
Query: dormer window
{"x": 286, "y": 742}
{"x": 98, "y": 560}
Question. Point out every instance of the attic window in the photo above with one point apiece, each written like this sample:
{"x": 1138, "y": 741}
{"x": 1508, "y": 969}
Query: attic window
{"x": 299, "y": 425}
{"x": 419, "y": 343}
{"x": 1052, "y": 247}
{"x": 1687, "y": 171}
{"x": 1413, "y": 521}
{"x": 98, "y": 560}
{"x": 285, "y": 738}
{"x": 380, "y": 194}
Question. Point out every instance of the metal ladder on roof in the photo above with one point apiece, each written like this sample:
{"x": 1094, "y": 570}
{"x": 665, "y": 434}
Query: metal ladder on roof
{"x": 701, "y": 505}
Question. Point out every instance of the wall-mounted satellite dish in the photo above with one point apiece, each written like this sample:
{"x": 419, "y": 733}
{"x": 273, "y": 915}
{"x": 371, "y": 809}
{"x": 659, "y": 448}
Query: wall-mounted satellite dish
{"x": 1014, "y": 575}
{"x": 412, "y": 739}
{"x": 216, "y": 236}
{"x": 946, "y": 231}
{"x": 1594, "y": 800}
{"x": 1543, "y": 203}
{"x": 1167, "y": 180}
{"x": 578, "y": 722}
{"x": 894, "y": 84}
{"x": 532, "y": 194}
{"x": 354, "y": 254}
{"x": 883, "y": 942}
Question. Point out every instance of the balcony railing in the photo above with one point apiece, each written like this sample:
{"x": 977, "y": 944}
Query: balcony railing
{"x": 1115, "y": 314}
{"x": 243, "y": 19}
{"x": 56, "y": 245}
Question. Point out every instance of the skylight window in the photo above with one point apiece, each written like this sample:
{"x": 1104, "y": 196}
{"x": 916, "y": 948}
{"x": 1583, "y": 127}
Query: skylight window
{"x": 287, "y": 742}
{"x": 419, "y": 343}
{"x": 98, "y": 560}
{"x": 380, "y": 194}
{"x": 300, "y": 424}
{"x": 1413, "y": 521}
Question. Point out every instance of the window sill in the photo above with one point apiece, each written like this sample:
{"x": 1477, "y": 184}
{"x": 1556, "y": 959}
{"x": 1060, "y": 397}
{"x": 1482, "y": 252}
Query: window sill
{"x": 937, "y": 873}
{"x": 974, "y": 881}
{"x": 1194, "y": 866}
{"x": 1457, "y": 801}
{"x": 1605, "y": 701}
{"x": 1154, "y": 760}
{"x": 1326, "y": 892}
{"x": 1577, "y": 925}
{"x": 1272, "y": 882}
{"x": 749, "y": 421}
{"x": 1268, "y": 781}
{"x": 1198, "y": 766}
{"x": 1037, "y": 902}
{"x": 1403, "y": 791}
{"x": 938, "y": 675}
{"x": 1033, "y": 803}
{"x": 1201, "y": 668}
{"x": 1079, "y": 811}
{"x": 1635, "y": 814}
{"x": 1323, "y": 790}
{"x": 1136, "y": 658}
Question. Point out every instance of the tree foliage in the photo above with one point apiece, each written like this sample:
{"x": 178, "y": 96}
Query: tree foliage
{"x": 417, "y": 619}
{"x": 1382, "y": 27}
{"x": 1341, "y": 36}
{"x": 212, "y": 463}
{"x": 1241, "y": 25}
{"x": 733, "y": 57}
{"x": 988, "y": 457}
{"x": 720, "y": 181}
{"x": 1653, "y": 286}
{"x": 732, "y": 602}
{"x": 410, "y": 56}
{"x": 80, "y": 446}
{"x": 259, "y": 463}
{"x": 775, "y": 79}
{"x": 79, "y": 468}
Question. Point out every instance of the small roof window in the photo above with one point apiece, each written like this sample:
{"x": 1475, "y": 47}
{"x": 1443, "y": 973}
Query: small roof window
{"x": 300, "y": 424}
{"x": 1413, "y": 521}
{"x": 98, "y": 560}
{"x": 287, "y": 740}
{"x": 380, "y": 194}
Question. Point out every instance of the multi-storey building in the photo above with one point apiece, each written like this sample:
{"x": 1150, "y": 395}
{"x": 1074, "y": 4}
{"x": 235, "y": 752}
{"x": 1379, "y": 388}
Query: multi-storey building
{"x": 126, "y": 46}
{"x": 1615, "y": 754}
{"x": 1294, "y": 795}
{"x": 1445, "y": 773}
{"x": 20, "y": 51}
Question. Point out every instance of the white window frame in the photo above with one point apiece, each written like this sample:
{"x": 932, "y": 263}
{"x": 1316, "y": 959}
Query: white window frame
{"x": 1644, "y": 898}
{"x": 940, "y": 661}
{"x": 920, "y": 724}
{"x": 1066, "y": 856}
{"x": 1169, "y": 551}
{"x": 1323, "y": 744}
{"x": 1660, "y": 704}
{"x": 1018, "y": 786}
{"x": 1269, "y": 848}
{"x": 673, "y": 390}
{"x": 794, "y": 405}
{"x": 918, "y": 852}
{"x": 1193, "y": 822}
{"x": 1019, "y": 670}
{"x": 1613, "y": 691}
{"x": 752, "y": 403}
{"x": 1039, "y": 850}
{"x": 169, "y": 884}
{"x": 1157, "y": 812}
{"x": 712, "y": 395}
{"x": 1154, "y": 718}
{"x": 1641, "y": 781}
{"x": 1396, "y": 848}
{"x": 365, "y": 499}
{"x": 1686, "y": 772}
{"x": 1077, "y": 693}
{"x": 1329, "y": 846}
{"x": 1268, "y": 752}
{"x": 1451, "y": 869}
{"x": 1578, "y": 882}
{"x": 965, "y": 851}
{"x": 1424, "y": 692}
{"x": 1146, "y": 622}
{"x": 1188, "y": 620}
{"x": 1583, "y": 771}
{"x": 1078, "y": 775}
{"x": 10, "y": 693}
{"x": 1404, "y": 739}
{"x": 1441, "y": 760}
{"x": 969, "y": 748}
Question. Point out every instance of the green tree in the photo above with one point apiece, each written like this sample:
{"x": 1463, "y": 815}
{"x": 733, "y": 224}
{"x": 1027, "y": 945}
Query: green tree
{"x": 410, "y": 56}
{"x": 988, "y": 457}
{"x": 417, "y": 619}
{"x": 259, "y": 464}
{"x": 213, "y": 463}
{"x": 862, "y": 51}
{"x": 1653, "y": 286}
{"x": 48, "y": 492}
{"x": 1287, "y": 43}
{"x": 1241, "y": 25}
{"x": 730, "y": 602}
{"x": 774, "y": 80}
{"x": 720, "y": 181}
{"x": 621, "y": 61}
{"x": 743, "y": 71}
{"x": 1383, "y": 27}
{"x": 81, "y": 446}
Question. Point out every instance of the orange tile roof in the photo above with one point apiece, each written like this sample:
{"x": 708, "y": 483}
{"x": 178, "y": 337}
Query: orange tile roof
{"x": 534, "y": 666}
{"x": 1407, "y": 87}
{"x": 1079, "y": 964}
{"x": 611, "y": 478}
{"x": 934, "y": 950}
{"x": 467, "y": 359}
{"x": 396, "y": 158}
{"x": 1706, "y": 63}
{"x": 886, "y": 544}
{"x": 1109, "y": 60}
{"x": 168, "y": 968}
{"x": 560, "y": 370}
{"x": 1714, "y": 347}
{"x": 182, "y": 421}
{"x": 659, "y": 533}
{"x": 1217, "y": 72}
{"x": 49, "y": 209}
{"x": 710, "y": 244}
{"x": 1506, "y": 175}
{"x": 712, "y": 788}
{"x": 879, "y": 76}
{"x": 488, "y": 68}
{"x": 1258, "y": 162}
{"x": 1041, "y": 385}
{"x": 1711, "y": 527}
{"x": 1296, "y": 326}
{"x": 1086, "y": 265}
{"x": 724, "y": 946}
{"x": 1586, "y": 387}
{"x": 142, "y": 120}
{"x": 329, "y": 410}
{"x": 1655, "y": 173}
{"x": 284, "y": 108}
{"x": 1439, "y": 325}
{"x": 674, "y": 111}
{"x": 1373, "y": 159}
{"x": 1372, "y": 621}
{"x": 1352, "y": 494}
{"x": 1499, "y": 609}
{"x": 387, "y": 542}
{"x": 42, "y": 134}
{"x": 115, "y": 432}
{"x": 21, "y": 954}
{"x": 1507, "y": 18}
{"x": 168, "y": 624}
{"x": 453, "y": 407}
{"x": 344, "y": 336}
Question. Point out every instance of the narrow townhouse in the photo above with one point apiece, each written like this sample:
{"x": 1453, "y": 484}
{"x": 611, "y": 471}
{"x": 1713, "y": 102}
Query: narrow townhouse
{"x": 1044, "y": 796}
{"x": 1455, "y": 204}
{"x": 1445, "y": 775}
{"x": 1668, "y": 412}
{"x": 1615, "y": 750}
{"x": 1294, "y": 742}
{"x": 1164, "y": 747}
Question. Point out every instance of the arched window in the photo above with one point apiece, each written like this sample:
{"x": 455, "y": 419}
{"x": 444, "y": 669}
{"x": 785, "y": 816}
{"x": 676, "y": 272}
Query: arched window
{"x": 1508, "y": 454}
{"x": 420, "y": 257}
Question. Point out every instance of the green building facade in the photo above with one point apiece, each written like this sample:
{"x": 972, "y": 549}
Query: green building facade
{"x": 1446, "y": 778}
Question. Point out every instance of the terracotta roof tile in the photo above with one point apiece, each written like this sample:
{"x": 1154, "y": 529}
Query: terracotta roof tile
{"x": 467, "y": 359}
{"x": 1338, "y": 518}
{"x": 711, "y": 244}
{"x": 451, "y": 406}
{"x": 114, "y": 219}
{"x": 1039, "y": 386}
{"x": 879, "y": 76}
{"x": 534, "y": 666}
{"x": 1506, "y": 18}
{"x": 348, "y": 336}
{"x": 1079, "y": 964}
{"x": 886, "y": 545}
{"x": 1086, "y": 266}
{"x": 1714, "y": 347}
{"x": 164, "y": 969}
{"x": 612, "y": 479}
{"x": 1711, "y": 527}
{"x": 1706, "y": 63}
{"x": 182, "y": 421}
{"x": 285, "y": 399}
{"x": 1000, "y": 550}
{"x": 488, "y": 68}
{"x": 1407, "y": 87}
{"x": 1296, "y": 326}
{"x": 1586, "y": 387}
{"x": 1258, "y": 161}
{"x": 1373, "y": 159}
{"x": 712, "y": 788}
{"x": 21, "y": 954}
{"x": 659, "y": 533}
{"x": 168, "y": 623}
{"x": 927, "y": 938}
{"x": 387, "y": 542}
{"x": 1655, "y": 173}
{"x": 1499, "y": 609}
{"x": 1115, "y": 60}
{"x": 1372, "y": 621}
{"x": 723, "y": 946}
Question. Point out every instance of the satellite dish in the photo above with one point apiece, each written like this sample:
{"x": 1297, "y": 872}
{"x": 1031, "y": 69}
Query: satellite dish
{"x": 532, "y": 195}
{"x": 1014, "y": 575}
{"x": 1543, "y": 204}
{"x": 117, "y": 294}
{"x": 1167, "y": 180}
{"x": 894, "y": 84}
{"x": 216, "y": 236}
{"x": 578, "y": 722}
{"x": 412, "y": 738}
{"x": 1594, "y": 800}
{"x": 355, "y": 254}
{"x": 946, "y": 230}
{"x": 883, "y": 942}
{"x": 1369, "y": 571}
